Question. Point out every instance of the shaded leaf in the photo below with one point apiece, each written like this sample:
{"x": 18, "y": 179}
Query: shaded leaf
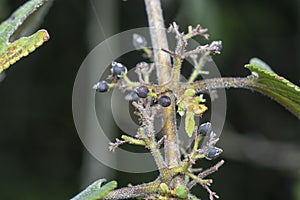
{"x": 95, "y": 191}
{"x": 189, "y": 123}
{"x": 276, "y": 87}
{"x": 12, "y": 51}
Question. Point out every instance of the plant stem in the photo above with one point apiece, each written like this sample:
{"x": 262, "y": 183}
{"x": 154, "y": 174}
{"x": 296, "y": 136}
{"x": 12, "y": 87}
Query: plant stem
{"x": 217, "y": 83}
{"x": 133, "y": 191}
{"x": 163, "y": 70}
{"x": 198, "y": 67}
{"x": 159, "y": 40}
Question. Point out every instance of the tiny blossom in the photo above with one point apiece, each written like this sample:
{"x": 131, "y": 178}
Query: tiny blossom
{"x": 216, "y": 47}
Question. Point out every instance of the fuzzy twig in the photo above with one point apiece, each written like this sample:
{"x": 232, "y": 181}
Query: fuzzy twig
{"x": 218, "y": 83}
{"x": 205, "y": 173}
{"x": 163, "y": 69}
{"x": 134, "y": 191}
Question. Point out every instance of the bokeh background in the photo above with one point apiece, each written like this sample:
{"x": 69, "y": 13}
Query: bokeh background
{"x": 41, "y": 155}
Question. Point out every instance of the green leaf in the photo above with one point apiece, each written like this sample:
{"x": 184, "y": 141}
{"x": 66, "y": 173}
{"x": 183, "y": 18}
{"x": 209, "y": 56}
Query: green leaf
{"x": 189, "y": 123}
{"x": 95, "y": 191}
{"x": 12, "y": 51}
{"x": 258, "y": 62}
{"x": 276, "y": 87}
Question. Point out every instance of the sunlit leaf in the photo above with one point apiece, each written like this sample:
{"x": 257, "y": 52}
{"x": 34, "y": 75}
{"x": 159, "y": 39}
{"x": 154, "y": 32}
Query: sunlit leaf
{"x": 276, "y": 87}
{"x": 12, "y": 51}
{"x": 189, "y": 123}
{"x": 96, "y": 191}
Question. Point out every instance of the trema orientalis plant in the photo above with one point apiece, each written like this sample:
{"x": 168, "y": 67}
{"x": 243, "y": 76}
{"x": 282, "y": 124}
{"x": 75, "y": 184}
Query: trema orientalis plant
{"x": 170, "y": 96}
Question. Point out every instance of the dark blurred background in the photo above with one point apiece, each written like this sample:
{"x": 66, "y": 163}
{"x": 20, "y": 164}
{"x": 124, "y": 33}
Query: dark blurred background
{"x": 41, "y": 154}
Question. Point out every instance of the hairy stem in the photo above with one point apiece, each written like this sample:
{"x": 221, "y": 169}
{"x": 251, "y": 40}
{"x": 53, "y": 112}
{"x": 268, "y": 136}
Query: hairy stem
{"x": 217, "y": 83}
{"x": 134, "y": 191}
{"x": 159, "y": 40}
{"x": 163, "y": 69}
{"x": 198, "y": 67}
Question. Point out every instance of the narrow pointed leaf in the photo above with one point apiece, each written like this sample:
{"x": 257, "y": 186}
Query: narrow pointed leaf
{"x": 189, "y": 123}
{"x": 95, "y": 191}
{"x": 278, "y": 88}
{"x": 12, "y": 51}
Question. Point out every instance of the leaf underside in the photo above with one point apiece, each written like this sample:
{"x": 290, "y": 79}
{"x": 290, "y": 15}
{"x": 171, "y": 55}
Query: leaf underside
{"x": 12, "y": 51}
{"x": 95, "y": 191}
{"x": 278, "y": 88}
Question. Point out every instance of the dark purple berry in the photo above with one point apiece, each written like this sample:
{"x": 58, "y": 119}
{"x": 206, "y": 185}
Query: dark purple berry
{"x": 117, "y": 68}
{"x": 132, "y": 96}
{"x": 213, "y": 153}
{"x": 205, "y": 129}
{"x": 101, "y": 86}
{"x": 164, "y": 101}
{"x": 142, "y": 91}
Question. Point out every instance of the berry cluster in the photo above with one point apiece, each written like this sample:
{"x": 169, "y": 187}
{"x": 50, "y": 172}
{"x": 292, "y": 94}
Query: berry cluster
{"x": 186, "y": 100}
{"x": 118, "y": 71}
{"x": 210, "y": 150}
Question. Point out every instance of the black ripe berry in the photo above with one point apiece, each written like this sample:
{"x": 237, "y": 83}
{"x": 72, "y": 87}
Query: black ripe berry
{"x": 164, "y": 101}
{"x": 205, "y": 129}
{"x": 142, "y": 91}
{"x": 213, "y": 153}
{"x": 101, "y": 86}
{"x": 132, "y": 96}
{"x": 117, "y": 68}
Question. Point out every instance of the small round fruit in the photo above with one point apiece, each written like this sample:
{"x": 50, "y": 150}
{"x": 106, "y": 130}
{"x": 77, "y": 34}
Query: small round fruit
{"x": 118, "y": 68}
{"x": 181, "y": 192}
{"x": 205, "y": 129}
{"x": 164, "y": 101}
{"x": 142, "y": 91}
{"x": 213, "y": 153}
{"x": 101, "y": 86}
{"x": 132, "y": 96}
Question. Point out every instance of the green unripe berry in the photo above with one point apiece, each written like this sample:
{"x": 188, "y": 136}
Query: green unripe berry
{"x": 181, "y": 192}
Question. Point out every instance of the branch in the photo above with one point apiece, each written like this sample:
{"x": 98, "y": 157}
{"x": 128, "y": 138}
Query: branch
{"x": 217, "y": 83}
{"x": 159, "y": 40}
{"x": 163, "y": 70}
{"x": 206, "y": 173}
{"x": 134, "y": 191}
